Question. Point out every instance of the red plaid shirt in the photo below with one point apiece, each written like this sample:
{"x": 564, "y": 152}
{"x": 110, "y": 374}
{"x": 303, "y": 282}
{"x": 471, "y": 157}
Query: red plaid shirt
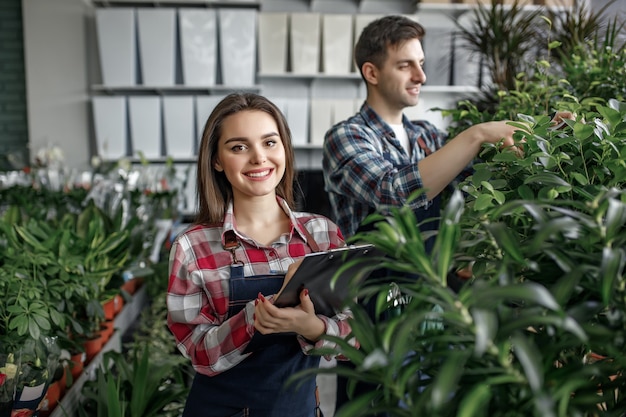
{"x": 198, "y": 292}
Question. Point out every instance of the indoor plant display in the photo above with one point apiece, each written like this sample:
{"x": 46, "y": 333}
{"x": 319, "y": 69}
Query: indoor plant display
{"x": 150, "y": 377}
{"x": 545, "y": 235}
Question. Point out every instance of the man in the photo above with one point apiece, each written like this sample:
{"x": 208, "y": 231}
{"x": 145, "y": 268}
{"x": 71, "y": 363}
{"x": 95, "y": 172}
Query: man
{"x": 376, "y": 159}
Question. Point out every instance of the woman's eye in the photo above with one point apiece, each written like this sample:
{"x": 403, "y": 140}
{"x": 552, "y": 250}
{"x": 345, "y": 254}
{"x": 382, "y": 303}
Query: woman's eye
{"x": 238, "y": 148}
{"x": 271, "y": 143}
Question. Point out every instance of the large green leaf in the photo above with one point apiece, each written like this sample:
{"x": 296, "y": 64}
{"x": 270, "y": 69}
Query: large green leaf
{"x": 486, "y": 327}
{"x": 474, "y": 403}
{"x": 446, "y": 380}
{"x": 530, "y": 359}
{"x": 528, "y": 292}
{"x": 611, "y": 269}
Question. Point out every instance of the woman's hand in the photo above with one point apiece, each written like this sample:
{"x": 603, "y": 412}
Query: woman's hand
{"x": 300, "y": 319}
{"x": 291, "y": 270}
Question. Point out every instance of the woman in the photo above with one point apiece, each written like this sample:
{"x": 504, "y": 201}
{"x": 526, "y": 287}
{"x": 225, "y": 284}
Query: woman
{"x": 226, "y": 267}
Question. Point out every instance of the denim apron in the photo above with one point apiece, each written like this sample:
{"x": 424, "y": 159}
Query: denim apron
{"x": 256, "y": 386}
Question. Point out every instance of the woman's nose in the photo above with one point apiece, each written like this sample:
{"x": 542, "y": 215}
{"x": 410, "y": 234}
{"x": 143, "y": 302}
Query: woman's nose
{"x": 258, "y": 156}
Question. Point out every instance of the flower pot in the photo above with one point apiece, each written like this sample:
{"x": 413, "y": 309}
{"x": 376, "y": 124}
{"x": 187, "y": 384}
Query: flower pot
{"x": 77, "y": 364}
{"x": 51, "y": 399}
{"x": 92, "y": 346}
{"x": 130, "y": 286}
{"x": 109, "y": 308}
{"x": 106, "y": 330}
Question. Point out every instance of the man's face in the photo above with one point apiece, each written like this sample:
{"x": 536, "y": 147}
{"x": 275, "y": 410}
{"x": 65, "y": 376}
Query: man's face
{"x": 402, "y": 75}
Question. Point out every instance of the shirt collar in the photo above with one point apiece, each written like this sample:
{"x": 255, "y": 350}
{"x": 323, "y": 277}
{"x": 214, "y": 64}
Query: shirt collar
{"x": 229, "y": 220}
{"x": 375, "y": 122}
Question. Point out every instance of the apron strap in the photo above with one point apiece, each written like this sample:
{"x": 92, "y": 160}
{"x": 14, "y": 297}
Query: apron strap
{"x": 309, "y": 238}
{"x": 313, "y": 244}
{"x": 230, "y": 244}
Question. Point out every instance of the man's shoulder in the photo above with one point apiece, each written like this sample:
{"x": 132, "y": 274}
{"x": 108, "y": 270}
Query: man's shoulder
{"x": 355, "y": 124}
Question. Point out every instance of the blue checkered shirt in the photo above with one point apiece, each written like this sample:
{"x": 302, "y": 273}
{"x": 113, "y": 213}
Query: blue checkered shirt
{"x": 366, "y": 168}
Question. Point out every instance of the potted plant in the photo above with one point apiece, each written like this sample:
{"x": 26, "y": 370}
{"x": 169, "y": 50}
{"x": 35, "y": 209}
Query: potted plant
{"x": 148, "y": 378}
{"x": 38, "y": 360}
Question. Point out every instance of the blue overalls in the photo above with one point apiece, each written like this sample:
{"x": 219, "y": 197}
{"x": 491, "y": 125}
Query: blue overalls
{"x": 256, "y": 386}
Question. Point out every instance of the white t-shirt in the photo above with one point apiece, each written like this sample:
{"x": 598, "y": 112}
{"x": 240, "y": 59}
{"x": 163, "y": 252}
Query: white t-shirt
{"x": 403, "y": 137}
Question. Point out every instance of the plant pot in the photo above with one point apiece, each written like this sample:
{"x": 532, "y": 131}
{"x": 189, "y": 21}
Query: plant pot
{"x": 92, "y": 346}
{"x": 51, "y": 399}
{"x": 109, "y": 308}
{"x": 106, "y": 330}
{"x": 130, "y": 286}
{"x": 77, "y": 364}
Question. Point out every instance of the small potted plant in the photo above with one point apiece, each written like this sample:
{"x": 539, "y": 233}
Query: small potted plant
{"x": 9, "y": 369}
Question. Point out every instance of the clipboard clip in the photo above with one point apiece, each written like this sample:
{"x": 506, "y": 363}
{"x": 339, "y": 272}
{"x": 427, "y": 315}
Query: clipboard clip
{"x": 231, "y": 243}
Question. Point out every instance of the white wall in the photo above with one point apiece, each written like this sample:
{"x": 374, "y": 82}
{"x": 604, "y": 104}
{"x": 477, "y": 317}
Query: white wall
{"x": 56, "y": 77}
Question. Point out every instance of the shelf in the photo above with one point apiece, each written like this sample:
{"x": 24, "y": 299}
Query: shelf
{"x": 222, "y": 89}
{"x": 308, "y": 147}
{"x": 449, "y": 89}
{"x": 290, "y": 75}
{"x": 162, "y": 160}
{"x": 72, "y": 399}
{"x": 453, "y": 8}
{"x": 171, "y": 90}
{"x": 176, "y": 3}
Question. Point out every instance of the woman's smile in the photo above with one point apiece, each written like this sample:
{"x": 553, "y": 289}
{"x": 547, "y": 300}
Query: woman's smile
{"x": 259, "y": 174}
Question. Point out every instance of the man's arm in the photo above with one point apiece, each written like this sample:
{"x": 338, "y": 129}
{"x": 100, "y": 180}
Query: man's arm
{"x": 440, "y": 168}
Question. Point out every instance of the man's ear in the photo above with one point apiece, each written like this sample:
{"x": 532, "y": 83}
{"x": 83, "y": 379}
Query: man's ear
{"x": 370, "y": 73}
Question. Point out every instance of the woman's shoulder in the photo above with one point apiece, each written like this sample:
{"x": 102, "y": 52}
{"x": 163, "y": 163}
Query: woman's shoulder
{"x": 318, "y": 223}
{"x": 304, "y": 216}
{"x": 201, "y": 233}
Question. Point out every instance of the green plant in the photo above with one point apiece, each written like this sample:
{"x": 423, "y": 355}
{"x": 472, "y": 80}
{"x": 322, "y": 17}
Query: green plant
{"x": 503, "y": 37}
{"x": 576, "y": 25}
{"x": 148, "y": 378}
{"x": 539, "y": 58}
{"x": 53, "y": 274}
{"x": 545, "y": 235}
{"x": 140, "y": 386}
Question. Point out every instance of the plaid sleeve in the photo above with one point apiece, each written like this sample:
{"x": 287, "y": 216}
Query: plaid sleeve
{"x": 197, "y": 305}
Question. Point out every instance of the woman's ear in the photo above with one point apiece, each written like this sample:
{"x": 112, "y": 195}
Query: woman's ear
{"x": 218, "y": 166}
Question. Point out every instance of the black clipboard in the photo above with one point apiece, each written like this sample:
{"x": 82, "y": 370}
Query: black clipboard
{"x": 329, "y": 293}
{"x": 318, "y": 273}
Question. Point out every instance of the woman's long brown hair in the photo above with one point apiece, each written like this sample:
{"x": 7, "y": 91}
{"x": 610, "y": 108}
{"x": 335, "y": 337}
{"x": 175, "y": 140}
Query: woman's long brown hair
{"x": 213, "y": 190}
